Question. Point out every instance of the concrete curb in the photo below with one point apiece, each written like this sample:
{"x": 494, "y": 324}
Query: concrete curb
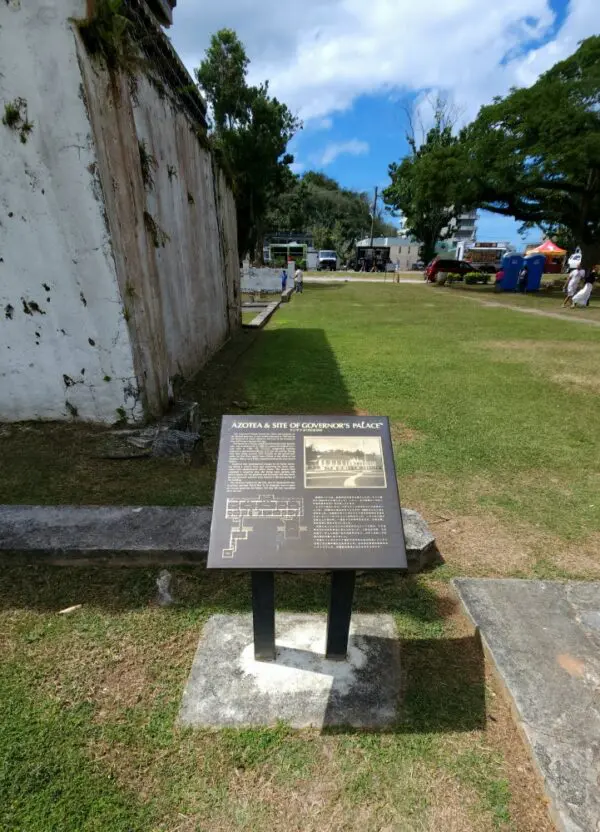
{"x": 140, "y": 535}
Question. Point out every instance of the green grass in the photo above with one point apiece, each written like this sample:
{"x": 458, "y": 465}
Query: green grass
{"x": 88, "y": 702}
{"x": 498, "y": 430}
{"x": 493, "y": 415}
{"x": 547, "y": 300}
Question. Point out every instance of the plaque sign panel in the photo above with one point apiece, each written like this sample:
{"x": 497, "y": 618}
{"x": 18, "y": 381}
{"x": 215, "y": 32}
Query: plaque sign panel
{"x": 306, "y": 492}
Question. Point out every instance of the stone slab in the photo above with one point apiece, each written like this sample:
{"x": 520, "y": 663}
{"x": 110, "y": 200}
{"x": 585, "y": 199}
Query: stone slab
{"x": 167, "y": 535}
{"x": 262, "y": 317}
{"x": 128, "y": 535}
{"x": 544, "y": 638}
{"x": 228, "y": 688}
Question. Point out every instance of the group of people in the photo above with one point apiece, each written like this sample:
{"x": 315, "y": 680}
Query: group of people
{"x": 574, "y": 296}
{"x": 298, "y": 280}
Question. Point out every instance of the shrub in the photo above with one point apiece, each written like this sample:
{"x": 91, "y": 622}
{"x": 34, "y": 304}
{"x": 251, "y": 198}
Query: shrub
{"x": 453, "y": 277}
{"x": 477, "y": 277}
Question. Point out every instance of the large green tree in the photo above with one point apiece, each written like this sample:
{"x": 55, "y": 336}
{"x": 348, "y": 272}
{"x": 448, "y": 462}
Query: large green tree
{"x": 422, "y": 184}
{"x": 535, "y": 154}
{"x": 251, "y": 130}
{"x": 336, "y": 217}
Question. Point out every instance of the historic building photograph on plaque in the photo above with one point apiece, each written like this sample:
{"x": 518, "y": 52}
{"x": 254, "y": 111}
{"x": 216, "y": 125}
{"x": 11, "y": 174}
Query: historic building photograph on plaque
{"x": 343, "y": 462}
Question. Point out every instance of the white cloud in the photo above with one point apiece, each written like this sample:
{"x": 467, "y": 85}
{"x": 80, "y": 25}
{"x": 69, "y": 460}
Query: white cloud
{"x": 353, "y": 147}
{"x": 323, "y": 123}
{"x": 321, "y": 55}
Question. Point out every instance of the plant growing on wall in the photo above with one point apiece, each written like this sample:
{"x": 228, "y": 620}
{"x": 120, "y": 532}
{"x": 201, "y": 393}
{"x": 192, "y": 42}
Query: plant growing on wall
{"x": 157, "y": 235}
{"x": 148, "y": 164}
{"x": 15, "y": 118}
{"x": 107, "y": 34}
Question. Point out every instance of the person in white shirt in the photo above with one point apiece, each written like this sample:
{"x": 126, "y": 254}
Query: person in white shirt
{"x": 299, "y": 280}
{"x": 575, "y": 278}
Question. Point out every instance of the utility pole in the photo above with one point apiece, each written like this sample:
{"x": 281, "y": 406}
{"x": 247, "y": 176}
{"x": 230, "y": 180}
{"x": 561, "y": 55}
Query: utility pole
{"x": 373, "y": 214}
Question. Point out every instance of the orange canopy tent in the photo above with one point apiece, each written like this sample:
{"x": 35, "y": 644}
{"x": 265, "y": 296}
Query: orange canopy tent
{"x": 548, "y": 248}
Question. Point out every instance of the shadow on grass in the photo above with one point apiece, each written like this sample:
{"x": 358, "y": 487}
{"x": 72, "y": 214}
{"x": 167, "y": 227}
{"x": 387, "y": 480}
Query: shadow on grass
{"x": 50, "y": 588}
{"x": 439, "y": 688}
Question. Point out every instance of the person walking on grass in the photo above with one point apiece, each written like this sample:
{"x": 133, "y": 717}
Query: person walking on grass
{"x": 582, "y": 297}
{"x": 299, "y": 280}
{"x": 573, "y": 285}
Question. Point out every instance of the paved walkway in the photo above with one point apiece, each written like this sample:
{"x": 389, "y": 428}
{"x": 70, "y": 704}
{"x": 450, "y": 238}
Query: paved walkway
{"x": 349, "y": 279}
{"x": 569, "y": 315}
{"x": 544, "y": 638}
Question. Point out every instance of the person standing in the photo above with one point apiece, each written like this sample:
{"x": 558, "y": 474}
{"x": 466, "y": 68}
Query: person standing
{"x": 523, "y": 278}
{"x": 284, "y": 277}
{"x": 582, "y": 297}
{"x": 299, "y": 280}
{"x": 573, "y": 285}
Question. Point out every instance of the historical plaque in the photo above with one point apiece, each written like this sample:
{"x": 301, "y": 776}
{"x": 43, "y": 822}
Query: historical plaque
{"x": 306, "y": 492}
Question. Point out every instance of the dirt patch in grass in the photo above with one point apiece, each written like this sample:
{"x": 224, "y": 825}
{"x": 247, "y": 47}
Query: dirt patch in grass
{"x": 579, "y": 559}
{"x": 528, "y": 803}
{"x": 402, "y": 433}
{"x": 454, "y": 808}
{"x": 538, "y": 347}
{"x": 571, "y": 364}
{"x": 483, "y": 544}
{"x": 585, "y": 382}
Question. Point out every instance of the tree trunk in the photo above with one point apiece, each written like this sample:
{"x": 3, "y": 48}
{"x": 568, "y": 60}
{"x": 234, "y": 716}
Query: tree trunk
{"x": 591, "y": 255}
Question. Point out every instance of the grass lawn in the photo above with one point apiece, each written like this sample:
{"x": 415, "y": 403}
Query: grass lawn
{"x": 546, "y": 300}
{"x": 494, "y": 424}
{"x": 249, "y": 316}
{"x": 388, "y": 276}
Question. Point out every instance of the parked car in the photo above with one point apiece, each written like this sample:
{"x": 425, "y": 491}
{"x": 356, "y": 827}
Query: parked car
{"x": 460, "y": 267}
{"x": 418, "y": 266}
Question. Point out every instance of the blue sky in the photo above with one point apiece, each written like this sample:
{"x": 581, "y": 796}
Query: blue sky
{"x": 352, "y": 70}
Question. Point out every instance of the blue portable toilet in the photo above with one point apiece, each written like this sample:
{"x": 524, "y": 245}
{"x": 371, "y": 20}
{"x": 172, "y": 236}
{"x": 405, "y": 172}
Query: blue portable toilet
{"x": 535, "y": 269}
{"x": 511, "y": 266}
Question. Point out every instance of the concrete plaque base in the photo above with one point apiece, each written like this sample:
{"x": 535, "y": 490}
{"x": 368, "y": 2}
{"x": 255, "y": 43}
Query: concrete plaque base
{"x": 227, "y": 687}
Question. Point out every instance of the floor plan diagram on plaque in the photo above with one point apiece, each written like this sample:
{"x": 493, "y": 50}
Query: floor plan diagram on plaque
{"x": 246, "y": 513}
{"x": 343, "y": 462}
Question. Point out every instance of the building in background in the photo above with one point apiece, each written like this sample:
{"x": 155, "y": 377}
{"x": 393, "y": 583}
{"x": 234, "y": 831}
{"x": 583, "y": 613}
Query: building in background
{"x": 402, "y": 225}
{"x": 401, "y": 252}
{"x": 463, "y": 229}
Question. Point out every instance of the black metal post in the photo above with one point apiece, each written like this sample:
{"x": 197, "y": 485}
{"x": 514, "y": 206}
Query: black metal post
{"x": 263, "y": 615}
{"x": 340, "y": 610}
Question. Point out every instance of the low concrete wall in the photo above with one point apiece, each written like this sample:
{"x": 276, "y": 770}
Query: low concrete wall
{"x": 264, "y": 279}
{"x": 152, "y": 534}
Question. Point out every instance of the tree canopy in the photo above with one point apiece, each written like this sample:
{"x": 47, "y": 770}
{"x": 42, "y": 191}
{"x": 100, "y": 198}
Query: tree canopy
{"x": 336, "y": 217}
{"x": 251, "y": 131}
{"x": 422, "y": 184}
{"x": 535, "y": 154}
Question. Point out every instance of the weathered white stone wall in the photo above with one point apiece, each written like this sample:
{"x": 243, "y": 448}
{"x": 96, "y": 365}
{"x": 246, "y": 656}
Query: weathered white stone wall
{"x": 123, "y": 315}
{"x": 64, "y": 344}
{"x": 264, "y": 279}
